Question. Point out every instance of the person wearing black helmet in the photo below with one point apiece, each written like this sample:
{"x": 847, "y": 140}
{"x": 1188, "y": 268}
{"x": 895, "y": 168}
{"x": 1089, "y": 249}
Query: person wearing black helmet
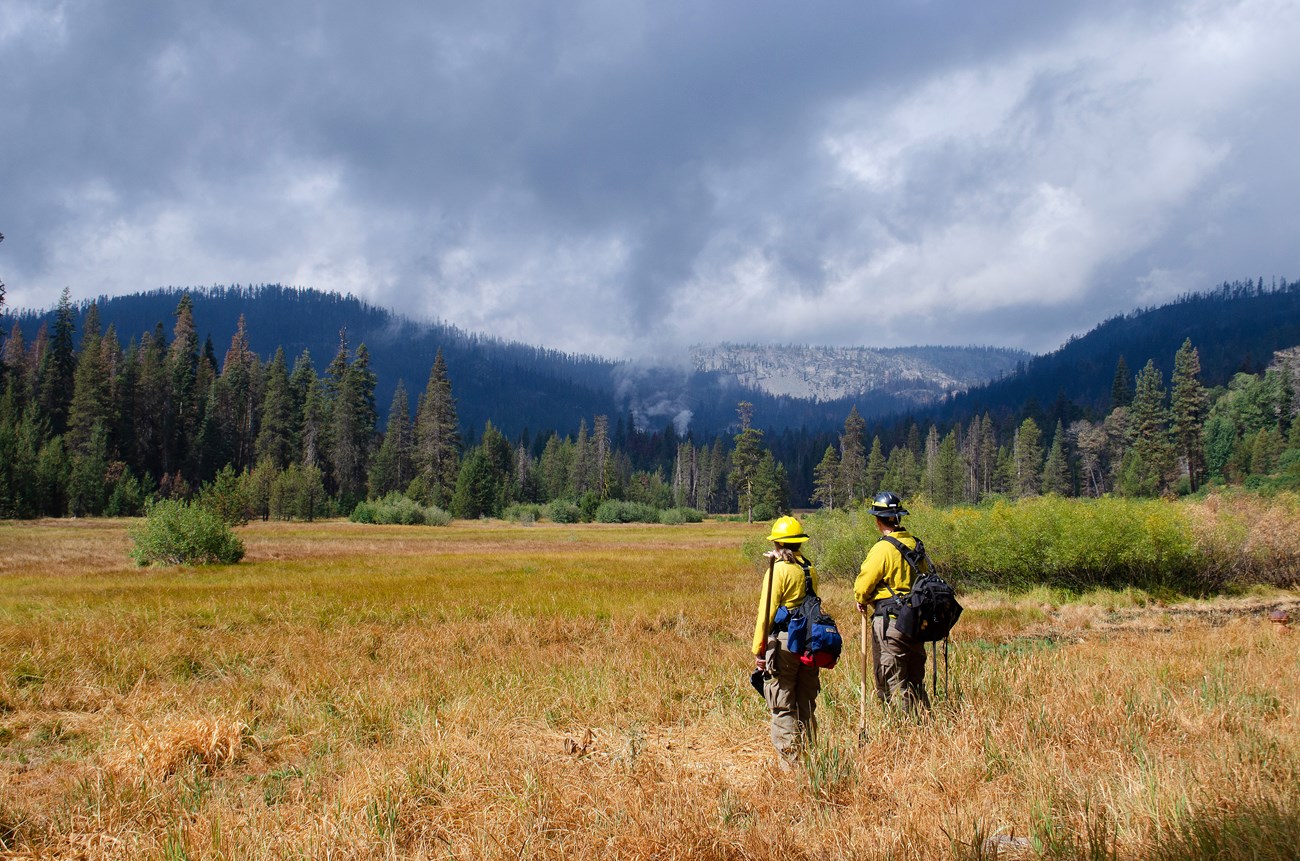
{"x": 898, "y": 661}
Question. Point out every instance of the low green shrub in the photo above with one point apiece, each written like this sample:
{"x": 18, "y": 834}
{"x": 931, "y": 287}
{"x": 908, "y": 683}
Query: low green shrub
{"x": 564, "y": 511}
{"x": 175, "y": 532}
{"x": 622, "y": 511}
{"x": 676, "y": 516}
{"x": 522, "y": 512}
{"x": 1072, "y": 544}
{"x": 398, "y": 510}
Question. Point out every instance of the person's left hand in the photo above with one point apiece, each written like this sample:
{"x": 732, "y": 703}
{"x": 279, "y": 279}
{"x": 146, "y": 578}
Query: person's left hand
{"x": 760, "y": 663}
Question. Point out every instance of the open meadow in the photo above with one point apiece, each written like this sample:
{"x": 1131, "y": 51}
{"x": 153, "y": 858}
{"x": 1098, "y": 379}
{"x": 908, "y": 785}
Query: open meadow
{"x": 496, "y": 690}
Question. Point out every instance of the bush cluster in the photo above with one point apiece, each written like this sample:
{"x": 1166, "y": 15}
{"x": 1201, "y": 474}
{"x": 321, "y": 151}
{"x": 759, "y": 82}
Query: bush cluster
{"x": 564, "y": 511}
{"x": 1072, "y": 544}
{"x": 399, "y": 510}
{"x": 623, "y": 511}
{"x": 176, "y": 532}
{"x": 523, "y": 512}
{"x": 676, "y": 516}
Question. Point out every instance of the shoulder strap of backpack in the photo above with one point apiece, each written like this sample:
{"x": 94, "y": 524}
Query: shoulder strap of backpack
{"x": 807, "y": 578}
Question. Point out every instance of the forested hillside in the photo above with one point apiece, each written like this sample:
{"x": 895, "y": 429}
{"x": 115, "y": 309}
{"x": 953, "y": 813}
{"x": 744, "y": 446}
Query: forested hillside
{"x": 96, "y": 420}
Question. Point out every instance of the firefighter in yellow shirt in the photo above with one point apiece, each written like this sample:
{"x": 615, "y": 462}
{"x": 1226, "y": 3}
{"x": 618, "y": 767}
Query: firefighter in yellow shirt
{"x": 790, "y": 686}
{"x": 898, "y": 661}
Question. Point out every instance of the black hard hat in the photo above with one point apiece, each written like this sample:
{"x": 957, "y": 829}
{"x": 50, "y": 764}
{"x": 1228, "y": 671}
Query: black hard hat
{"x": 887, "y": 504}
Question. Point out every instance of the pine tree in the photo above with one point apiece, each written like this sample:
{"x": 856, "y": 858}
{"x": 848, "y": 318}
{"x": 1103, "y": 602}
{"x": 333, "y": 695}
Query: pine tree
{"x": 437, "y": 438}
{"x": 1027, "y": 455}
{"x": 58, "y": 367}
{"x": 1152, "y": 458}
{"x": 277, "y": 420}
{"x": 150, "y": 422}
{"x": 826, "y": 477}
{"x": 1189, "y": 407}
{"x": 393, "y": 466}
{"x": 875, "y": 468}
{"x": 241, "y": 381}
{"x": 853, "y": 459}
{"x": 555, "y": 465}
{"x": 92, "y": 396}
{"x": 183, "y": 412}
{"x": 949, "y": 472}
{"x": 1056, "y": 471}
{"x": 746, "y": 457}
{"x": 1121, "y": 387}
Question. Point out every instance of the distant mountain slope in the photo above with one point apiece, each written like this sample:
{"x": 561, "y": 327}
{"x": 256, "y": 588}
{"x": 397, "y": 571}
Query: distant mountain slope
{"x": 519, "y": 387}
{"x": 1235, "y": 327}
{"x": 917, "y": 374}
{"x": 516, "y": 386}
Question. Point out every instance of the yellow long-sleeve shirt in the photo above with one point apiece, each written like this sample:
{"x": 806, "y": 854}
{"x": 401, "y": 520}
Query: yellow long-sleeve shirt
{"x": 787, "y": 591}
{"x": 884, "y": 564}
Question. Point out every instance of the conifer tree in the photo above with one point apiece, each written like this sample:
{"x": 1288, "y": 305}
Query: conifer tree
{"x": 58, "y": 367}
{"x": 853, "y": 459}
{"x": 182, "y": 413}
{"x": 1056, "y": 470}
{"x": 241, "y": 383}
{"x": 826, "y": 477}
{"x": 1121, "y": 387}
{"x": 1027, "y": 454}
{"x": 437, "y": 438}
{"x": 1150, "y": 461}
{"x": 949, "y": 473}
{"x": 150, "y": 422}
{"x": 92, "y": 401}
{"x": 746, "y": 457}
{"x": 393, "y": 465}
{"x": 278, "y": 425}
{"x": 555, "y": 465}
{"x": 875, "y": 468}
{"x": 1189, "y": 408}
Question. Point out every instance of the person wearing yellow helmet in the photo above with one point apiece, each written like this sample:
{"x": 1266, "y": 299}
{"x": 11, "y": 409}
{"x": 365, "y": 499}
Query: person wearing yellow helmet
{"x": 898, "y": 661}
{"x": 788, "y": 684}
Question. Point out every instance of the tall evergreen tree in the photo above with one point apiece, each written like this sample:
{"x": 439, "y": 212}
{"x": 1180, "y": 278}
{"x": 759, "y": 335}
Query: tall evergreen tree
{"x": 92, "y": 395}
{"x": 183, "y": 410}
{"x": 278, "y": 422}
{"x": 241, "y": 383}
{"x": 1151, "y": 460}
{"x": 1121, "y": 387}
{"x": 826, "y": 478}
{"x": 58, "y": 367}
{"x": 875, "y": 468}
{"x": 1056, "y": 470}
{"x": 1189, "y": 407}
{"x": 949, "y": 472}
{"x": 1027, "y": 455}
{"x": 437, "y": 437}
{"x": 746, "y": 456}
{"x": 853, "y": 458}
{"x": 393, "y": 465}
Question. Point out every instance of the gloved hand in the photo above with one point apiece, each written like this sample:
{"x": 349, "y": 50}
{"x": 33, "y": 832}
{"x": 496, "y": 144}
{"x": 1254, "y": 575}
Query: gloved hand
{"x": 864, "y": 609}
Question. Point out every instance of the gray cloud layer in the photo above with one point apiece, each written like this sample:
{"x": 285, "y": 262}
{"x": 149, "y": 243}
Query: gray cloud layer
{"x": 627, "y": 178}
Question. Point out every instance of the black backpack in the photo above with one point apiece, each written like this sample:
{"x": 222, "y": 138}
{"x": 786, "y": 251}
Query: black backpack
{"x": 928, "y": 612}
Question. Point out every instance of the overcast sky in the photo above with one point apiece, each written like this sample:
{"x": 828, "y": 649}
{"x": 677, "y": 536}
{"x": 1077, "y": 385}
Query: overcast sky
{"x": 625, "y": 178}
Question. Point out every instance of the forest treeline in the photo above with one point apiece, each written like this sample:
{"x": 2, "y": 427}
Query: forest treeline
{"x": 89, "y": 426}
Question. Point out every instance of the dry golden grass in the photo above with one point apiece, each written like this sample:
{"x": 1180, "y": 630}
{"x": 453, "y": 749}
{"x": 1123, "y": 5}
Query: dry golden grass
{"x": 491, "y": 690}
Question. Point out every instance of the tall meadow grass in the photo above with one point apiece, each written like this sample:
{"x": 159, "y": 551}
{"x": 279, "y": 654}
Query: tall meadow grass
{"x": 496, "y": 690}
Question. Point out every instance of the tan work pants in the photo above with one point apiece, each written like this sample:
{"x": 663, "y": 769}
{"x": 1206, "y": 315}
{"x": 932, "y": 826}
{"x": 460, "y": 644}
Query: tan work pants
{"x": 791, "y": 692}
{"x": 899, "y": 667}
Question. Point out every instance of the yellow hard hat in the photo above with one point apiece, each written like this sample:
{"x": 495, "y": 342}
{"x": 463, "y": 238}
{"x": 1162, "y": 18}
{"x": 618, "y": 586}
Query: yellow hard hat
{"x": 787, "y": 531}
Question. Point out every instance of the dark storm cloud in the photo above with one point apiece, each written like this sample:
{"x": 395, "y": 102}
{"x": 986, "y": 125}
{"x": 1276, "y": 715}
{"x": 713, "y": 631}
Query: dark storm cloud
{"x": 627, "y": 178}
